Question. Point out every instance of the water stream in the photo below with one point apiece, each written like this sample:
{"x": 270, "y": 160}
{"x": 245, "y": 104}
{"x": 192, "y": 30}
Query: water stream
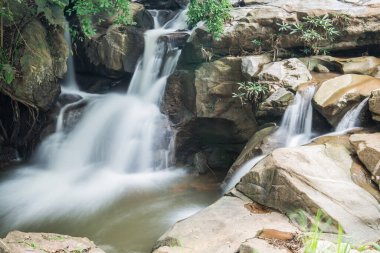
{"x": 351, "y": 118}
{"x": 108, "y": 178}
{"x": 295, "y": 130}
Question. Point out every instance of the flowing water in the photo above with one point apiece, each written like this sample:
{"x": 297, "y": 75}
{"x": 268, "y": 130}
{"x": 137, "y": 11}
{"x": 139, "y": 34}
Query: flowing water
{"x": 295, "y": 130}
{"x": 351, "y": 118}
{"x": 108, "y": 178}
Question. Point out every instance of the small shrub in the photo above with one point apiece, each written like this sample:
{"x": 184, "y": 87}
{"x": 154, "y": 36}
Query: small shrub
{"x": 315, "y": 31}
{"x": 251, "y": 92}
{"x": 214, "y": 12}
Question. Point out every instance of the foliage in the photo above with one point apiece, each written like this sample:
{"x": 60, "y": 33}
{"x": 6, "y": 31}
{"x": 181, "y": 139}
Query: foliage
{"x": 88, "y": 13}
{"x": 7, "y": 72}
{"x": 251, "y": 92}
{"x": 314, "y": 31}
{"x": 314, "y": 231}
{"x": 214, "y": 12}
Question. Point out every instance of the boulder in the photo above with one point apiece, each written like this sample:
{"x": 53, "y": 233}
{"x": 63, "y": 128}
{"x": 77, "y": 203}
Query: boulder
{"x": 215, "y": 82}
{"x": 41, "y": 63}
{"x": 364, "y": 65}
{"x": 251, "y": 149}
{"x": 367, "y": 147}
{"x": 374, "y": 104}
{"x": 275, "y": 105}
{"x": 225, "y": 226}
{"x": 338, "y": 95}
{"x": 251, "y": 65}
{"x": 289, "y": 73}
{"x": 260, "y": 21}
{"x": 19, "y": 242}
{"x": 311, "y": 178}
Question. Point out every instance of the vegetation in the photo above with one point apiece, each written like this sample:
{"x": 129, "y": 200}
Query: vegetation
{"x": 251, "y": 92}
{"x": 214, "y": 12}
{"x": 314, "y": 231}
{"x": 314, "y": 32}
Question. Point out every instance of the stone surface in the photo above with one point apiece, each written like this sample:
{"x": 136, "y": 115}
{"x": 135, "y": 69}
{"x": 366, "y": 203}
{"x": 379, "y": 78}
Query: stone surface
{"x": 311, "y": 178}
{"x": 19, "y": 242}
{"x": 41, "y": 64}
{"x": 275, "y": 105}
{"x": 336, "y": 96}
{"x": 251, "y": 150}
{"x": 222, "y": 227}
{"x": 251, "y": 65}
{"x": 367, "y": 147}
{"x": 214, "y": 83}
{"x": 374, "y": 104}
{"x": 259, "y": 21}
{"x": 289, "y": 73}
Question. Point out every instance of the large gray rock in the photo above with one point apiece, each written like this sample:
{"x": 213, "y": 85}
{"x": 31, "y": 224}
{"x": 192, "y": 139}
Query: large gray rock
{"x": 41, "y": 63}
{"x": 251, "y": 65}
{"x": 275, "y": 105}
{"x": 19, "y": 242}
{"x": 223, "y": 227}
{"x": 374, "y": 104}
{"x": 289, "y": 73}
{"x": 215, "y": 82}
{"x": 338, "y": 95}
{"x": 367, "y": 147}
{"x": 311, "y": 178}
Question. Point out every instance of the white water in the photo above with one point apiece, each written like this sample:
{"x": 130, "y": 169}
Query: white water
{"x": 70, "y": 83}
{"x": 118, "y": 147}
{"x": 295, "y": 130}
{"x": 351, "y": 118}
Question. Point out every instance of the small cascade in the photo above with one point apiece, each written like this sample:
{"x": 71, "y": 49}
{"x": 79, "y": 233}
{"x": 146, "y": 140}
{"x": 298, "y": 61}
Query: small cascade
{"x": 69, "y": 82}
{"x": 351, "y": 118}
{"x": 295, "y": 130}
{"x": 296, "y": 125}
{"x": 121, "y": 142}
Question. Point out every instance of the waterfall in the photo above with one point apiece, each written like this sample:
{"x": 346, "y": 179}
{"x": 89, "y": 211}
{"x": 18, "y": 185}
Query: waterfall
{"x": 69, "y": 82}
{"x": 296, "y": 125}
{"x": 120, "y": 144}
{"x": 351, "y": 118}
{"x": 295, "y": 130}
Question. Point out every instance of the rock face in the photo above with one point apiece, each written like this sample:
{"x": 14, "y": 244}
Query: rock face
{"x": 41, "y": 64}
{"x": 336, "y": 96}
{"x": 374, "y": 105}
{"x": 115, "y": 49}
{"x": 289, "y": 73}
{"x": 252, "y": 65}
{"x": 311, "y": 178}
{"x": 19, "y": 242}
{"x": 275, "y": 105}
{"x": 367, "y": 147}
{"x": 224, "y": 227}
{"x": 259, "y": 21}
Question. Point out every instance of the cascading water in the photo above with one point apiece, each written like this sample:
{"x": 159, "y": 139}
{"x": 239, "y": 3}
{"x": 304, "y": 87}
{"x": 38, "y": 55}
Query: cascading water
{"x": 117, "y": 149}
{"x": 295, "y": 130}
{"x": 69, "y": 82}
{"x": 351, "y": 118}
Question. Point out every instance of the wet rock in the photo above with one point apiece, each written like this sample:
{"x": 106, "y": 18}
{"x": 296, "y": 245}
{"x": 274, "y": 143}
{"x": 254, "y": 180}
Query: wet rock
{"x": 289, "y": 73}
{"x": 311, "y": 178}
{"x": 338, "y": 95}
{"x": 251, "y": 65}
{"x": 374, "y": 105}
{"x": 41, "y": 64}
{"x": 252, "y": 149}
{"x": 223, "y": 227}
{"x": 275, "y": 105}
{"x": 200, "y": 163}
{"x": 367, "y": 147}
{"x": 19, "y": 242}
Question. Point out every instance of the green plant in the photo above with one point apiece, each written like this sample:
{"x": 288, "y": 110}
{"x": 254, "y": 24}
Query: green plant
{"x": 7, "y": 72}
{"x": 314, "y": 32}
{"x": 251, "y": 92}
{"x": 214, "y": 12}
{"x": 89, "y": 13}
